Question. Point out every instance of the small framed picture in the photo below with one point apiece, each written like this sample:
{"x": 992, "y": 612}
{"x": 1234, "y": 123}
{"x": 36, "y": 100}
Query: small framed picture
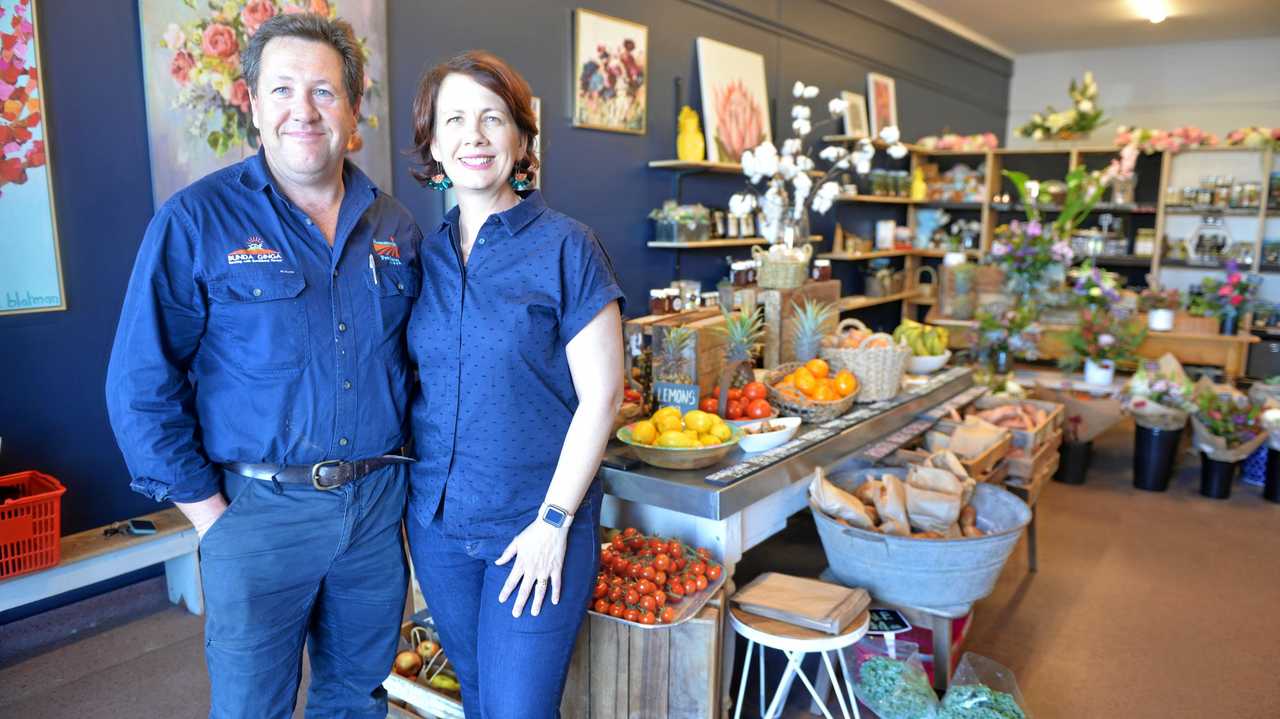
{"x": 610, "y": 64}
{"x": 855, "y": 114}
{"x": 884, "y": 102}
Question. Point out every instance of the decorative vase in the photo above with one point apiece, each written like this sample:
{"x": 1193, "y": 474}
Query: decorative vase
{"x": 1160, "y": 320}
{"x": 690, "y": 146}
{"x": 1155, "y": 453}
{"x": 1000, "y": 363}
{"x": 1227, "y": 325}
{"x": 1099, "y": 372}
{"x": 1216, "y": 477}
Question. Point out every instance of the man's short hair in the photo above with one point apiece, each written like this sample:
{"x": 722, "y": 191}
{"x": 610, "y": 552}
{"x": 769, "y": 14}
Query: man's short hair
{"x": 337, "y": 34}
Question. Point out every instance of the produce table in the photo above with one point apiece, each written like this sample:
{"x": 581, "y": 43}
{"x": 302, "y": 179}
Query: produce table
{"x": 734, "y": 506}
{"x": 1230, "y": 352}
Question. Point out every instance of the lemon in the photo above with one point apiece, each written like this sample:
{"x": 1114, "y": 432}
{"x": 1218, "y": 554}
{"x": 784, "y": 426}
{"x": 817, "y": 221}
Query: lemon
{"x": 697, "y": 420}
{"x": 708, "y": 440}
{"x": 644, "y": 432}
{"x": 668, "y": 422}
{"x": 675, "y": 440}
{"x": 721, "y": 431}
{"x": 669, "y": 409}
{"x": 691, "y": 434}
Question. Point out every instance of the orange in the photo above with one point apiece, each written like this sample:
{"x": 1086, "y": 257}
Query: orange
{"x": 846, "y": 383}
{"x": 806, "y": 383}
{"x": 818, "y": 367}
{"x": 825, "y": 394}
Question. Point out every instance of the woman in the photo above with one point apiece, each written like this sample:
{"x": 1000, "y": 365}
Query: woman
{"x": 517, "y": 337}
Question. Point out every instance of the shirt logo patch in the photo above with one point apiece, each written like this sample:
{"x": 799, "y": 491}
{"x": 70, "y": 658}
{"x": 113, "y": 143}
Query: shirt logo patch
{"x": 387, "y": 250}
{"x": 253, "y": 253}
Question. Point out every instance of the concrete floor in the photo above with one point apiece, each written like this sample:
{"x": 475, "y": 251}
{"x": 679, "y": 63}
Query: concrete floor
{"x": 1145, "y": 605}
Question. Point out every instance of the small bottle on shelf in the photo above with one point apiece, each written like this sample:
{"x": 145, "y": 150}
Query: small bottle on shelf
{"x": 658, "y": 303}
{"x": 821, "y": 270}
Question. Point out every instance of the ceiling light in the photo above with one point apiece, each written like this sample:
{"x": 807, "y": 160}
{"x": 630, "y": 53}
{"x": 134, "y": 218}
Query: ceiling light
{"x": 1153, "y": 10}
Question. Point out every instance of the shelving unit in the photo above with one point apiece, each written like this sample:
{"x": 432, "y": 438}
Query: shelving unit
{"x": 876, "y": 200}
{"x": 856, "y": 303}
{"x": 711, "y": 244}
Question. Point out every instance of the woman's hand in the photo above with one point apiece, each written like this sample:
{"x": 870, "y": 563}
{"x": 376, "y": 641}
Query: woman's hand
{"x": 539, "y": 554}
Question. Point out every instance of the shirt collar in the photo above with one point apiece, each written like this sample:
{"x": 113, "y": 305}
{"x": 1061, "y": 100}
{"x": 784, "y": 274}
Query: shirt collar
{"x": 517, "y": 218}
{"x": 255, "y": 175}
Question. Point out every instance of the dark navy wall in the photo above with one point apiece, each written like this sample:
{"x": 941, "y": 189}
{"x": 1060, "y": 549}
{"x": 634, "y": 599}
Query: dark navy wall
{"x": 52, "y": 366}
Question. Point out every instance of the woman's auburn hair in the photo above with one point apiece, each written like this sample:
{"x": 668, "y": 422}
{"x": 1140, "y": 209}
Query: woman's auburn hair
{"x": 490, "y": 71}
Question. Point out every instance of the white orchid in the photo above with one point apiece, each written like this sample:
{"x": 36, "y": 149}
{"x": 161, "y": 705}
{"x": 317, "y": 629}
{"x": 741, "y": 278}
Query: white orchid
{"x": 800, "y": 112}
{"x": 836, "y": 106}
{"x": 791, "y": 146}
{"x": 810, "y": 92}
{"x": 1085, "y": 106}
{"x": 897, "y": 151}
{"x": 797, "y": 90}
{"x": 802, "y": 127}
{"x": 804, "y": 163}
{"x": 787, "y": 167}
{"x": 890, "y": 134}
{"x": 742, "y": 204}
{"x": 833, "y": 153}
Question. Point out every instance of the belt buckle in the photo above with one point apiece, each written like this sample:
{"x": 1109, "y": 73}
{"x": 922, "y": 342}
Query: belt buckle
{"x": 315, "y": 474}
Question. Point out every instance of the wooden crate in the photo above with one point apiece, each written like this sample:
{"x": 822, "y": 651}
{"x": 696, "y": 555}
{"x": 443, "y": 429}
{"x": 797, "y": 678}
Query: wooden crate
{"x": 1029, "y": 489}
{"x": 1029, "y": 440}
{"x": 981, "y": 465}
{"x": 1186, "y": 322}
{"x": 779, "y": 306}
{"x": 707, "y": 353}
{"x": 620, "y": 672}
{"x": 1025, "y": 465}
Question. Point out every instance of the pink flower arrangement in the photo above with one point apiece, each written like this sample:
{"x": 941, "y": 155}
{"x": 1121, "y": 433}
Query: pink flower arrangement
{"x": 1150, "y": 140}
{"x": 1255, "y": 137}
{"x": 951, "y": 142}
{"x": 739, "y": 120}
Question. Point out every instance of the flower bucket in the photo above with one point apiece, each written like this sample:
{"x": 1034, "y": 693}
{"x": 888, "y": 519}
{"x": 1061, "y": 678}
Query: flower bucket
{"x": 1073, "y": 464}
{"x": 1160, "y": 320}
{"x": 1155, "y": 452}
{"x": 1100, "y": 372}
{"x": 1216, "y": 477}
{"x": 1271, "y": 490}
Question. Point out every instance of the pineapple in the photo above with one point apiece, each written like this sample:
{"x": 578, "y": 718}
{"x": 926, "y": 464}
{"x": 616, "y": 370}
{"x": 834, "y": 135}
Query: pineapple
{"x": 672, "y": 363}
{"x": 744, "y": 330}
{"x": 810, "y": 326}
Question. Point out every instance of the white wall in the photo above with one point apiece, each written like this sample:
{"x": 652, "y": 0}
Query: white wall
{"x": 1217, "y": 86}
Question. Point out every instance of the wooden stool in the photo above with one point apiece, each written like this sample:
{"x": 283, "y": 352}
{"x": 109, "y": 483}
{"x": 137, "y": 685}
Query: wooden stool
{"x": 795, "y": 642}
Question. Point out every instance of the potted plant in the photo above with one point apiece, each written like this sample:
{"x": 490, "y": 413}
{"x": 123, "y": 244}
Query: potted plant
{"x": 1227, "y": 428}
{"x": 1075, "y": 123}
{"x": 1160, "y": 306}
{"x": 1231, "y": 297}
{"x": 1092, "y": 287}
{"x": 1159, "y": 397}
{"x": 681, "y": 223}
{"x": 1098, "y": 341}
{"x": 1003, "y": 335}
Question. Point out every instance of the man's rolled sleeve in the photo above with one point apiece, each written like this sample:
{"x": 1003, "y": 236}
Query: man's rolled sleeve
{"x": 150, "y": 400}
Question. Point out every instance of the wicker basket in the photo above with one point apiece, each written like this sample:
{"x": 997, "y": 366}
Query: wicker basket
{"x": 781, "y": 275}
{"x": 879, "y": 369}
{"x": 806, "y": 409}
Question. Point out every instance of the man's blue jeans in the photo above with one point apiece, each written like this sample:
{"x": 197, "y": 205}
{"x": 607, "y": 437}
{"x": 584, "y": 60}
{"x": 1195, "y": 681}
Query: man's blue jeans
{"x": 509, "y": 668}
{"x": 288, "y": 563}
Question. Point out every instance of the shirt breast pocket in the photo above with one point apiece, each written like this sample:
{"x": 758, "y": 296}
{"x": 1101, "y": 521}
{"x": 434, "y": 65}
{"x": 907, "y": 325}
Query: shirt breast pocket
{"x": 394, "y": 293}
{"x": 263, "y": 321}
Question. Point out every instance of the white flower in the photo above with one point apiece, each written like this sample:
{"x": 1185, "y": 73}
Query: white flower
{"x": 1038, "y": 134}
{"x": 821, "y": 205}
{"x": 829, "y": 190}
{"x": 791, "y": 146}
{"x": 862, "y": 166}
{"x": 810, "y": 92}
{"x": 742, "y": 204}
{"x": 1085, "y": 106}
{"x": 1088, "y": 78}
{"x": 748, "y": 161}
{"x": 802, "y": 127}
{"x": 800, "y": 112}
{"x": 804, "y": 163}
{"x": 787, "y": 167}
{"x": 890, "y": 134}
{"x": 174, "y": 38}
{"x": 797, "y": 90}
{"x": 803, "y": 184}
{"x": 766, "y": 160}
{"x": 897, "y": 151}
{"x": 831, "y": 153}
{"x": 836, "y": 107}
{"x": 1033, "y": 189}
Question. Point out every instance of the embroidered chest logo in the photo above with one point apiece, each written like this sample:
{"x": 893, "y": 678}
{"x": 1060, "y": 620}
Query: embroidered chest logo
{"x": 253, "y": 253}
{"x": 387, "y": 251}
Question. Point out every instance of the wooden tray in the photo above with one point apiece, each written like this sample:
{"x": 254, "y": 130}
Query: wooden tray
{"x": 1028, "y": 439}
{"x": 1025, "y": 466}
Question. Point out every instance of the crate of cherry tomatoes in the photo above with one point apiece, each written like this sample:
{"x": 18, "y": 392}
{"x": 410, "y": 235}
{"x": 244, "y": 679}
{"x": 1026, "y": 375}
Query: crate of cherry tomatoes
{"x": 747, "y": 403}
{"x": 653, "y": 581}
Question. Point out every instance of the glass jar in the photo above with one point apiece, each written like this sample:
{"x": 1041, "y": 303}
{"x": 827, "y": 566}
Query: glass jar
{"x": 1222, "y": 191}
{"x": 658, "y": 303}
{"x": 821, "y": 270}
{"x": 677, "y": 302}
{"x": 1204, "y": 195}
{"x": 1251, "y": 195}
{"x": 710, "y": 299}
{"x": 1189, "y": 195}
{"x": 753, "y": 271}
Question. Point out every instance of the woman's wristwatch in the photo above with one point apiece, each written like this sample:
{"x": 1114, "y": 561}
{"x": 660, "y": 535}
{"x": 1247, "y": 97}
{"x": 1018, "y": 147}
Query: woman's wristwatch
{"x": 555, "y": 516}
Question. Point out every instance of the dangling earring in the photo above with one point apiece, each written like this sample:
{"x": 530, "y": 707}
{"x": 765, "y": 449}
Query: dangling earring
{"x": 519, "y": 180}
{"x": 439, "y": 181}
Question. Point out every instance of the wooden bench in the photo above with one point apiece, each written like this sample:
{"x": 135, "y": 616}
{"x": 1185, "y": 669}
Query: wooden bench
{"x": 91, "y": 556}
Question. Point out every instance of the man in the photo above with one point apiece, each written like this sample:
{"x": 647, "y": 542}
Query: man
{"x": 259, "y": 381}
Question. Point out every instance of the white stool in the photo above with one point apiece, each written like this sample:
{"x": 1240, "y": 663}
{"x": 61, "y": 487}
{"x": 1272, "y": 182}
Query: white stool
{"x": 795, "y": 642}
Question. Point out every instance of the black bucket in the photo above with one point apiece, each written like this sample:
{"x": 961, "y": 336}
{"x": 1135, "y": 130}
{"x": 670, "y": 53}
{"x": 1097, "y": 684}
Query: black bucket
{"x": 1216, "y": 477}
{"x": 1155, "y": 452}
{"x": 1271, "y": 490}
{"x": 1074, "y": 464}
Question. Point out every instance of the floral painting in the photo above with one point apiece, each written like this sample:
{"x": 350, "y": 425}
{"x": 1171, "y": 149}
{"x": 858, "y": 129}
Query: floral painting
{"x": 30, "y": 272}
{"x": 884, "y": 102}
{"x": 198, "y": 115}
{"x": 735, "y": 99}
{"x": 610, "y": 59}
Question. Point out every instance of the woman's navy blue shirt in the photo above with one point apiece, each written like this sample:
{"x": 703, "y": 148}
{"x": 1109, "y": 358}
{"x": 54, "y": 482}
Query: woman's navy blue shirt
{"x": 489, "y": 341}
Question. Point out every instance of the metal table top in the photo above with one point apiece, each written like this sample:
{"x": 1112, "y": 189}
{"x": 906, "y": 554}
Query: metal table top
{"x": 688, "y": 491}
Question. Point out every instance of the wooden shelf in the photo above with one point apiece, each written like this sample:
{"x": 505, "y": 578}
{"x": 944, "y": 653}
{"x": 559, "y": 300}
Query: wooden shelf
{"x": 708, "y": 244}
{"x": 878, "y": 144}
{"x": 876, "y": 200}
{"x": 923, "y": 301}
{"x": 703, "y": 165}
{"x": 1120, "y": 260}
{"x": 943, "y": 253}
{"x": 955, "y": 153}
{"x": 1100, "y": 207}
{"x": 941, "y": 205}
{"x": 859, "y": 256}
{"x": 859, "y": 302}
{"x": 1212, "y": 210}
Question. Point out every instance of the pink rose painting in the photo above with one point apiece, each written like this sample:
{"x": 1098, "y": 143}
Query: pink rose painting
{"x": 735, "y": 99}
{"x": 199, "y": 116}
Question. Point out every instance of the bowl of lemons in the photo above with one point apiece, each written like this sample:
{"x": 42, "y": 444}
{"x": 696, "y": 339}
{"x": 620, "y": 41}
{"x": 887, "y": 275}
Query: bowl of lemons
{"x": 671, "y": 440}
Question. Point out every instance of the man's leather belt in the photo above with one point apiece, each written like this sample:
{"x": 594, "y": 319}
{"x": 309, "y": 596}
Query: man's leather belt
{"x": 326, "y": 475}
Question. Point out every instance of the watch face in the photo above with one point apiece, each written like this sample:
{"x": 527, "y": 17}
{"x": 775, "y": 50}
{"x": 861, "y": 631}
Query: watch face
{"x": 553, "y": 516}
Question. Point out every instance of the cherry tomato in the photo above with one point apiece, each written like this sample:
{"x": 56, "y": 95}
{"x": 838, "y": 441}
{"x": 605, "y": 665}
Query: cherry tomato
{"x": 602, "y": 588}
{"x": 715, "y": 391}
{"x": 675, "y": 592}
{"x": 754, "y": 390}
{"x": 617, "y": 609}
{"x": 704, "y": 553}
{"x": 734, "y": 410}
{"x": 630, "y": 532}
{"x": 678, "y": 564}
{"x": 615, "y": 580}
{"x": 616, "y": 593}
{"x": 648, "y": 573}
{"x": 606, "y": 555}
{"x": 635, "y": 570}
{"x": 656, "y": 544}
{"x": 617, "y": 543}
{"x": 701, "y": 582}
{"x": 632, "y": 615}
{"x": 660, "y": 578}
{"x": 668, "y": 615}
{"x": 648, "y": 603}
{"x": 674, "y": 548}
{"x": 601, "y": 606}
{"x": 660, "y": 597}
{"x": 713, "y": 572}
{"x": 632, "y": 596}
{"x": 646, "y": 587}
{"x": 698, "y": 567}
{"x": 710, "y": 405}
{"x": 691, "y": 586}
{"x": 648, "y": 618}
{"x": 759, "y": 409}
{"x": 620, "y": 566}
{"x": 662, "y": 562}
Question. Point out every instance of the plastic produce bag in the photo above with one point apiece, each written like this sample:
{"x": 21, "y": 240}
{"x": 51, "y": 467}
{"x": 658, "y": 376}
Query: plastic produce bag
{"x": 891, "y": 684}
{"x": 982, "y": 689}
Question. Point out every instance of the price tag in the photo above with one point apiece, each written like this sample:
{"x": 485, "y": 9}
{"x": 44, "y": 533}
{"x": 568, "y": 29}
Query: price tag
{"x": 684, "y": 396}
{"x": 887, "y": 621}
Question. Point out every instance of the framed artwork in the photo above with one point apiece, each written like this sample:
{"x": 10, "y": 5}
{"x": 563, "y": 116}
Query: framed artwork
{"x": 198, "y": 116}
{"x": 855, "y": 114}
{"x": 735, "y": 99}
{"x": 884, "y": 102}
{"x": 30, "y": 263}
{"x": 610, "y": 73}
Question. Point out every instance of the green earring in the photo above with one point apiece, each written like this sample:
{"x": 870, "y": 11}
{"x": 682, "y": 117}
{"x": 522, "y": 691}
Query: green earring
{"x": 439, "y": 181}
{"x": 519, "y": 181}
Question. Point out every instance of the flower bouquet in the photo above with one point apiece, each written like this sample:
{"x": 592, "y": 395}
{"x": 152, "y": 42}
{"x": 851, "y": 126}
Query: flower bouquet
{"x": 1160, "y": 306}
{"x": 1098, "y": 341}
{"x": 1001, "y": 336}
{"x": 1077, "y": 122}
{"x": 1255, "y": 137}
{"x": 950, "y": 142}
{"x": 1159, "y": 395}
{"x": 1231, "y": 297}
{"x": 1095, "y": 288}
{"x": 1150, "y": 140}
{"x": 1227, "y": 426}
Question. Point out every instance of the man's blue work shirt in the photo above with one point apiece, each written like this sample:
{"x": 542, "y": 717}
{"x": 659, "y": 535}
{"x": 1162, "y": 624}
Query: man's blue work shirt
{"x": 489, "y": 340}
{"x": 245, "y": 337}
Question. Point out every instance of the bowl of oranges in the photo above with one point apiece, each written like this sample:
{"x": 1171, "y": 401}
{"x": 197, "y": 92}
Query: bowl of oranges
{"x": 811, "y": 391}
{"x": 672, "y": 440}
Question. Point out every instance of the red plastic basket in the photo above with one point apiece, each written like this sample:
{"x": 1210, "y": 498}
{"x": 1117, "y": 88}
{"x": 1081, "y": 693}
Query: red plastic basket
{"x": 30, "y": 527}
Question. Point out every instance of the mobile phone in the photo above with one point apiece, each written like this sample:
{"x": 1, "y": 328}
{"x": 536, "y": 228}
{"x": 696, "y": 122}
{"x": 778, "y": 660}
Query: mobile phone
{"x": 140, "y": 526}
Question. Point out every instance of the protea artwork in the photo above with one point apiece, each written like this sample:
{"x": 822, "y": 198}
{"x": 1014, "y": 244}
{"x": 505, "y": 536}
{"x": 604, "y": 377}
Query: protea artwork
{"x": 739, "y": 120}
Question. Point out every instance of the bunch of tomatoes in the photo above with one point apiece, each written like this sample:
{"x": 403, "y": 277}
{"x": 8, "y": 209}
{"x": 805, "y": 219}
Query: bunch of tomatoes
{"x": 746, "y": 403}
{"x": 642, "y": 577}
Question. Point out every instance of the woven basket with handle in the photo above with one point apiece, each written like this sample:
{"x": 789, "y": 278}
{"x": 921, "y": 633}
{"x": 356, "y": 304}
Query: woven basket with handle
{"x": 879, "y": 369}
{"x": 781, "y": 274}
{"x": 793, "y": 404}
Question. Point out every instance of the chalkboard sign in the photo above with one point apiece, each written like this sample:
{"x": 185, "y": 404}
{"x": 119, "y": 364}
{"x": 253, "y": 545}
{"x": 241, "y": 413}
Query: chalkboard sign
{"x": 887, "y": 621}
{"x": 684, "y": 396}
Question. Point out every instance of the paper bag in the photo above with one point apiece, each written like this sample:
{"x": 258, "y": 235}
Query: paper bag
{"x": 1216, "y": 447}
{"x": 932, "y": 511}
{"x": 974, "y": 437}
{"x": 891, "y": 504}
{"x": 1086, "y": 416}
{"x": 836, "y": 502}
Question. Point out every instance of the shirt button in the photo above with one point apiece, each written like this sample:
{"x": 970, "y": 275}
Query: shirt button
{"x": 400, "y": 286}
{"x": 335, "y": 273}
{"x": 257, "y": 291}
{"x": 342, "y": 326}
{"x": 343, "y": 441}
{"x": 309, "y": 222}
{"x": 346, "y": 384}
